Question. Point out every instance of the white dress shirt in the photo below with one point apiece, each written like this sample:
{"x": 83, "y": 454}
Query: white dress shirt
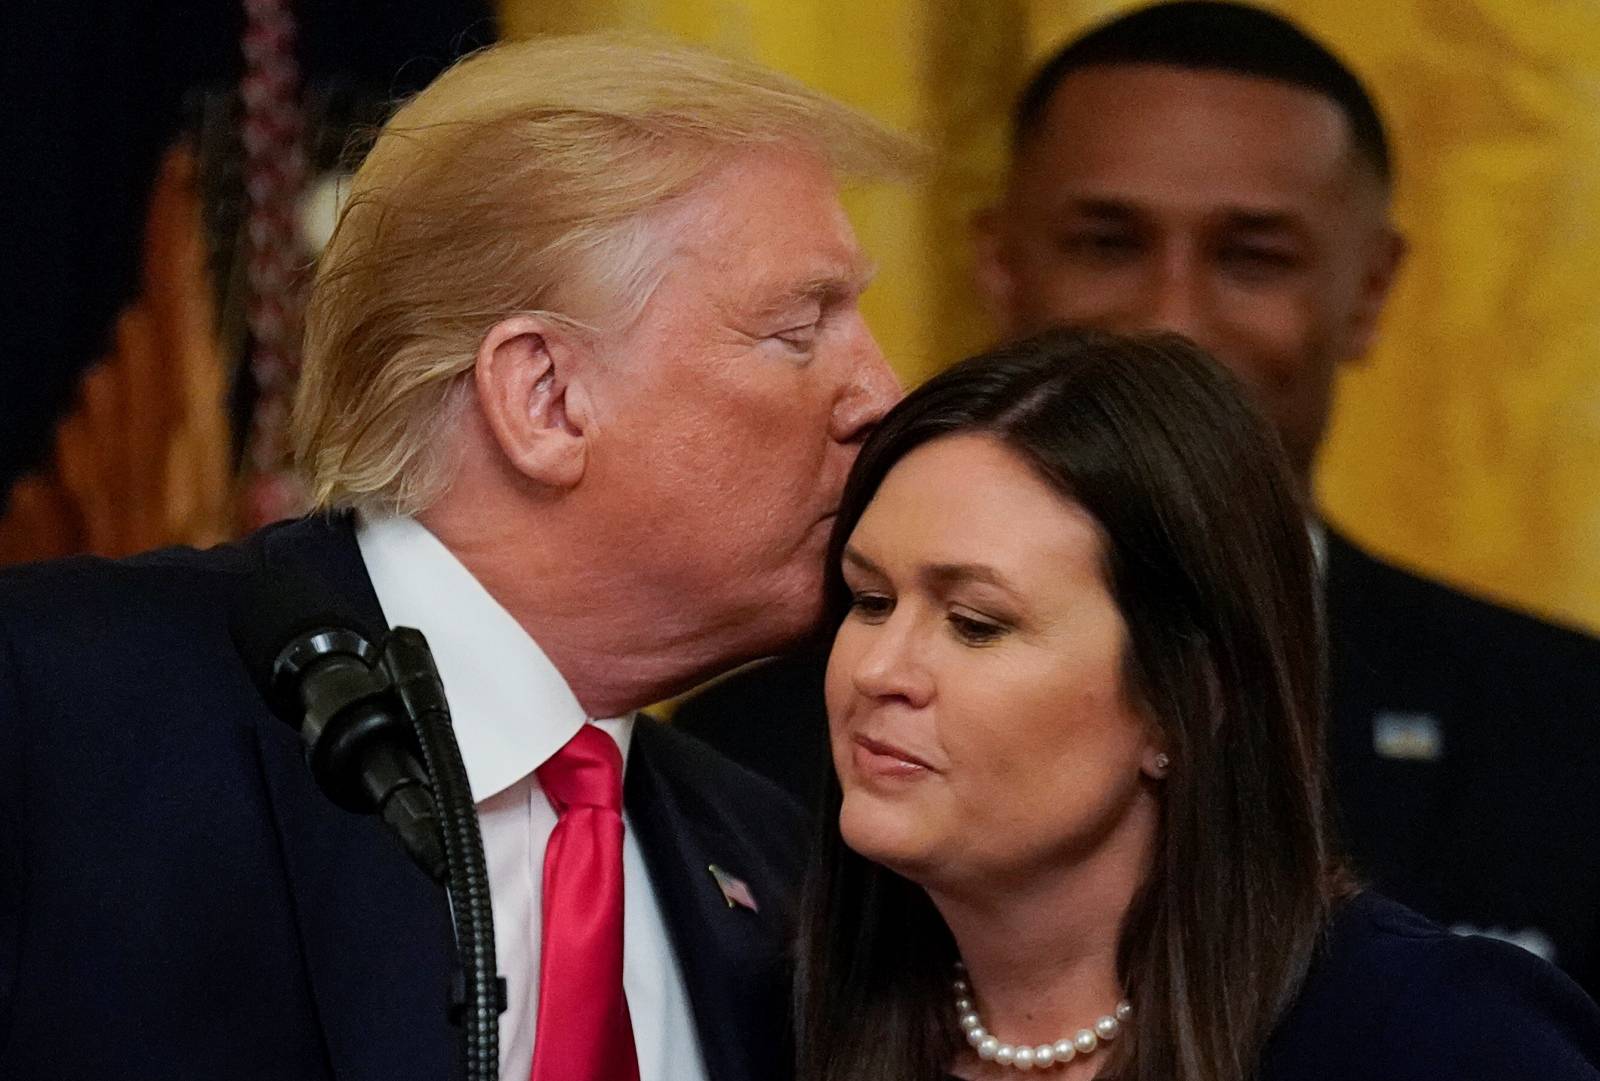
{"x": 512, "y": 711}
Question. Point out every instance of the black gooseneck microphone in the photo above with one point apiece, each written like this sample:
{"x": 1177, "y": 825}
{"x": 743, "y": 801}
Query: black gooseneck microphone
{"x": 372, "y": 714}
{"x": 321, "y": 671}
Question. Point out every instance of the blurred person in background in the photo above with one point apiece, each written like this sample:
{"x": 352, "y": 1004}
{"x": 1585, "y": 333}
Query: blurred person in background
{"x": 1075, "y": 700}
{"x": 585, "y": 372}
{"x": 1209, "y": 169}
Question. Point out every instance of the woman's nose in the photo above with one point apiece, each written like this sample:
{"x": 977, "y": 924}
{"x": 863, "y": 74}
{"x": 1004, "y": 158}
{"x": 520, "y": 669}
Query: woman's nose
{"x": 893, "y": 666}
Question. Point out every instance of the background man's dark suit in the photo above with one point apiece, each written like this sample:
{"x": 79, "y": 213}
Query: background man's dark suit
{"x": 1465, "y": 746}
{"x": 178, "y": 900}
{"x": 1464, "y": 740}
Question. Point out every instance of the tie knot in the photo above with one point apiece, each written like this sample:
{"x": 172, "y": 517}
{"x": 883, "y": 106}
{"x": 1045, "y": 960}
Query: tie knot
{"x": 587, "y": 772}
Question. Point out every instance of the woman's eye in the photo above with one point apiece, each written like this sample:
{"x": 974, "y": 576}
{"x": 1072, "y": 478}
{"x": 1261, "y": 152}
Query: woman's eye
{"x": 975, "y": 631}
{"x": 870, "y": 605}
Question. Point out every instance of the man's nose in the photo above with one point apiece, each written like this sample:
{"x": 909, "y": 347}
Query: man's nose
{"x": 870, "y": 390}
{"x": 1172, "y": 298}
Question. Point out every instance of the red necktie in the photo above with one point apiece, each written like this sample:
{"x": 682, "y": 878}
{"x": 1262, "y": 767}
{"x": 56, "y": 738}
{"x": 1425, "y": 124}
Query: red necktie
{"x": 583, "y": 1032}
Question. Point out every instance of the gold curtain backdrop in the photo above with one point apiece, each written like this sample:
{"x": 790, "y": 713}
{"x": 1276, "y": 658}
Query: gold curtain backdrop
{"x": 1468, "y": 444}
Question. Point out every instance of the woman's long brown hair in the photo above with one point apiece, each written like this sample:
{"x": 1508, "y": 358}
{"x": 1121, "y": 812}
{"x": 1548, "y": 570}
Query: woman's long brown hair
{"x": 1208, "y": 558}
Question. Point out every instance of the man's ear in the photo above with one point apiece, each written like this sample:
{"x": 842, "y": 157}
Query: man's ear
{"x": 1386, "y": 255}
{"x": 992, "y": 274}
{"x": 528, "y": 377}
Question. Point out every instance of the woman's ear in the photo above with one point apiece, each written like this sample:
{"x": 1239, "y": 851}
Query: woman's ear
{"x": 1156, "y": 761}
{"x": 528, "y": 375}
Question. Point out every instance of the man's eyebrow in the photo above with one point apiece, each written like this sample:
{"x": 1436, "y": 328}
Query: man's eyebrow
{"x": 1263, "y": 221}
{"x": 1101, "y": 207}
{"x": 824, "y": 288}
{"x": 1250, "y": 218}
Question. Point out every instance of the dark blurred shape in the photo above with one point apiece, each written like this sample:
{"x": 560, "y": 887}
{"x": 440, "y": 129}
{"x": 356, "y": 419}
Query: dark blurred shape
{"x": 96, "y": 97}
{"x": 142, "y": 459}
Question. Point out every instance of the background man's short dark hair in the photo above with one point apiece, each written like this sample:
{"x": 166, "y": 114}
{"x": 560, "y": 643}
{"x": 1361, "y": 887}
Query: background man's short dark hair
{"x": 1208, "y": 35}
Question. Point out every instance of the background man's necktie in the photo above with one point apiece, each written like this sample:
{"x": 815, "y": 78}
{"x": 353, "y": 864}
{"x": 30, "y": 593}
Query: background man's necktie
{"x": 583, "y": 1033}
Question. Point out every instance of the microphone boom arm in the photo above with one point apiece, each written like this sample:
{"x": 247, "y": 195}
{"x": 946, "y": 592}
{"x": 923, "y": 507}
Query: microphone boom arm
{"x": 483, "y": 994}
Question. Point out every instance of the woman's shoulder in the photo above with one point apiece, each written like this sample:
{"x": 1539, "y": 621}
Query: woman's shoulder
{"x": 1371, "y": 936}
{"x": 1392, "y": 995}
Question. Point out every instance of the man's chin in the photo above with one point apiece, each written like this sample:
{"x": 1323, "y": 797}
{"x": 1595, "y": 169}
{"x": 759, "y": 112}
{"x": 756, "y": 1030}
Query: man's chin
{"x": 799, "y": 630}
{"x": 794, "y": 616}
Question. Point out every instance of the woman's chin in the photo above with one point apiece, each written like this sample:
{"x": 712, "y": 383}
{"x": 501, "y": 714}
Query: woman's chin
{"x": 894, "y": 836}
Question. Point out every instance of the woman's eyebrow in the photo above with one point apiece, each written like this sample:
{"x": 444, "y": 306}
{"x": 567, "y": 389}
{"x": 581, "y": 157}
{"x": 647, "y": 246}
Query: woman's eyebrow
{"x": 948, "y": 574}
{"x": 854, "y": 557}
{"x": 939, "y": 575}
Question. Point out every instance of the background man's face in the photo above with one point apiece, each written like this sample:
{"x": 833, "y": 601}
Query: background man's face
{"x": 1228, "y": 208}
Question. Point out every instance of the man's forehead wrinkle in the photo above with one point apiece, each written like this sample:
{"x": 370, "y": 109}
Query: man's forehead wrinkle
{"x": 1171, "y": 88}
{"x": 1263, "y": 214}
{"x": 1143, "y": 165}
{"x": 714, "y": 239}
{"x": 1165, "y": 122}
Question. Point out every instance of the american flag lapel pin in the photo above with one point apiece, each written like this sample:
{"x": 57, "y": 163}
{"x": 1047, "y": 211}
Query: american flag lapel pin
{"x": 734, "y": 890}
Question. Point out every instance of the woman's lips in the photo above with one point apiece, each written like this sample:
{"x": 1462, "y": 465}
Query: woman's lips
{"x": 876, "y": 758}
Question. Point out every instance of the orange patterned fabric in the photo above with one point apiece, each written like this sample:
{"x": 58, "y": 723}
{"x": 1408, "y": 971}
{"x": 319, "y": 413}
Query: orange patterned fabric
{"x": 142, "y": 460}
{"x": 274, "y": 177}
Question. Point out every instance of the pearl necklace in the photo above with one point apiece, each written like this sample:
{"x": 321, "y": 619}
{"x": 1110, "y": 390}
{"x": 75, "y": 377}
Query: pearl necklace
{"x": 1064, "y": 1050}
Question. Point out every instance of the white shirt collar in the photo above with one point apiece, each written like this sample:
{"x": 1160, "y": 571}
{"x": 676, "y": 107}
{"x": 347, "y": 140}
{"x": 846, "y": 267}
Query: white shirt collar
{"x": 511, "y": 709}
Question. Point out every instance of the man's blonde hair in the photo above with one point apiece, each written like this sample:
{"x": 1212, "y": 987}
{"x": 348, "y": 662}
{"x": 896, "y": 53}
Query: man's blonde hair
{"x": 522, "y": 180}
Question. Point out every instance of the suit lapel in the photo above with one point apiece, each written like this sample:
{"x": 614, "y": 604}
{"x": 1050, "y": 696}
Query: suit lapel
{"x": 375, "y": 932}
{"x": 733, "y": 958}
{"x": 1383, "y": 687}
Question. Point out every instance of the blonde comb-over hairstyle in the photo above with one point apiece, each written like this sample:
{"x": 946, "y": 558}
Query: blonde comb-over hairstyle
{"x": 525, "y": 179}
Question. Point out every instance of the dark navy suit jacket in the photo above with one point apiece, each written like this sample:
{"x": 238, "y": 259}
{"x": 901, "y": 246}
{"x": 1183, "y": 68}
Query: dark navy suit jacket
{"x": 1464, "y": 740}
{"x": 1489, "y": 822}
{"x": 177, "y": 900}
{"x": 1393, "y": 997}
